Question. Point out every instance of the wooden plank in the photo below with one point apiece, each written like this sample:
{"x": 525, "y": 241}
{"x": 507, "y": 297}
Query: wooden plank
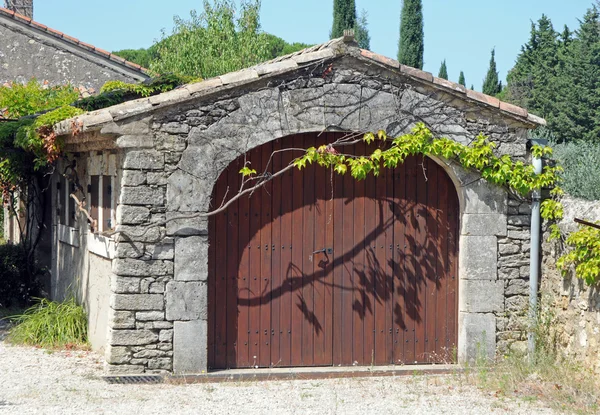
{"x": 266, "y": 250}
{"x": 106, "y": 203}
{"x": 255, "y": 264}
{"x": 309, "y": 324}
{"x": 220, "y": 280}
{"x": 94, "y": 197}
{"x": 421, "y": 260}
{"x": 276, "y": 281}
{"x": 286, "y": 270}
{"x": 338, "y": 223}
{"x": 233, "y": 261}
{"x": 382, "y": 223}
{"x": 431, "y": 259}
{"x": 371, "y": 268}
{"x": 410, "y": 281}
{"x": 358, "y": 275}
{"x": 243, "y": 284}
{"x": 320, "y": 264}
{"x": 398, "y": 250}
{"x": 347, "y": 293}
{"x": 296, "y": 270}
{"x": 328, "y": 284}
{"x": 442, "y": 265}
{"x": 389, "y": 255}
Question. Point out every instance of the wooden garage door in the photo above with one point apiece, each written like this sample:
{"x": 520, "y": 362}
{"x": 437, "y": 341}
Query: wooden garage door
{"x": 318, "y": 269}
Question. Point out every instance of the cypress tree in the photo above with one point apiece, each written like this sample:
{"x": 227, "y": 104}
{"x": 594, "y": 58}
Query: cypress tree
{"x": 443, "y": 70}
{"x": 344, "y": 17}
{"x": 362, "y": 32}
{"x": 491, "y": 85}
{"x": 472, "y": 87}
{"x": 411, "y": 46}
{"x": 461, "y": 79}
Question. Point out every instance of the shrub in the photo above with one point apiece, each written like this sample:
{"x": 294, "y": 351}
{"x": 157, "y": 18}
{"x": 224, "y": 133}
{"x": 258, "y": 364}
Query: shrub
{"x": 581, "y": 161}
{"x": 18, "y": 278}
{"x": 51, "y": 324}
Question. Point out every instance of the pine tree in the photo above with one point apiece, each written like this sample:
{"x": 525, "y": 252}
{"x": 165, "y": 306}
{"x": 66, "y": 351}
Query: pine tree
{"x": 344, "y": 17}
{"x": 461, "y": 79}
{"x": 491, "y": 85}
{"x": 362, "y": 32}
{"x": 472, "y": 87}
{"x": 443, "y": 70}
{"x": 411, "y": 46}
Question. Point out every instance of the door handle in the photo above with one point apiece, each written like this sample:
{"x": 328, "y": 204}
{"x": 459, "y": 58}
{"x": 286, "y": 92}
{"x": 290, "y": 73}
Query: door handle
{"x": 327, "y": 251}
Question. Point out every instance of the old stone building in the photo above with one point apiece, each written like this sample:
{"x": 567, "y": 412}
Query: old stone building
{"x": 426, "y": 263}
{"x": 33, "y": 50}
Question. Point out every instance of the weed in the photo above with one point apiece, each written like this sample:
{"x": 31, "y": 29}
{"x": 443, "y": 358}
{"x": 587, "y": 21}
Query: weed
{"x": 51, "y": 324}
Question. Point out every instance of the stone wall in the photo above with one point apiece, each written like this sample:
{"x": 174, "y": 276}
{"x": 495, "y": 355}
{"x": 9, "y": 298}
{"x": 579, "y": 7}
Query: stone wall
{"x": 26, "y": 53}
{"x": 172, "y": 159}
{"x": 573, "y": 306}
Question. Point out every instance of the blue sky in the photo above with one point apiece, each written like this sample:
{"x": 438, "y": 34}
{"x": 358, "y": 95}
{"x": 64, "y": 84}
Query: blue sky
{"x": 461, "y": 31}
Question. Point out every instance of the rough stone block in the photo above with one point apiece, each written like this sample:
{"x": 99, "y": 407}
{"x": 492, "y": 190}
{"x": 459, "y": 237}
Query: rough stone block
{"x": 483, "y": 197}
{"x": 172, "y": 141}
{"x": 140, "y": 268}
{"x": 142, "y": 195}
{"x": 517, "y": 287}
{"x": 477, "y": 336}
{"x": 165, "y": 336}
{"x": 175, "y": 128}
{"x": 160, "y": 363}
{"x": 129, "y": 233}
{"x": 186, "y": 300}
{"x": 342, "y": 103}
{"x": 187, "y": 193}
{"x": 124, "y": 369}
{"x": 513, "y": 261}
{"x": 132, "y": 215}
{"x": 484, "y": 224}
{"x": 186, "y": 227}
{"x": 133, "y": 178}
{"x": 117, "y": 355}
{"x": 191, "y": 258}
{"x": 521, "y": 235}
{"x": 144, "y": 160}
{"x": 124, "y": 285}
{"x": 190, "y": 347}
{"x": 508, "y": 249}
{"x": 478, "y": 257}
{"x": 480, "y": 296}
{"x": 519, "y": 220}
{"x": 131, "y": 337}
{"x": 157, "y": 178}
{"x": 135, "y": 141}
{"x": 137, "y": 302}
{"x": 508, "y": 273}
{"x": 517, "y": 304}
{"x": 121, "y": 319}
{"x": 129, "y": 250}
{"x": 150, "y": 315}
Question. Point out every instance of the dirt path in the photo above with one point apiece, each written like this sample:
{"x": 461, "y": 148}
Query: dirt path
{"x": 35, "y": 381}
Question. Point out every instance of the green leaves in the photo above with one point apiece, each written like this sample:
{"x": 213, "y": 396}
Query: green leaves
{"x": 247, "y": 171}
{"x": 584, "y": 256}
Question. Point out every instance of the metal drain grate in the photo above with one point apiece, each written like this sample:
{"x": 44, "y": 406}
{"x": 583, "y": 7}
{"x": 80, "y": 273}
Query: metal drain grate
{"x": 138, "y": 379}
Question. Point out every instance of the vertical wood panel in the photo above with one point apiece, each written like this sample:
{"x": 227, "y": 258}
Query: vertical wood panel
{"x": 338, "y": 224}
{"x": 296, "y": 270}
{"x": 431, "y": 253}
{"x": 400, "y": 257}
{"x": 382, "y": 224}
{"x": 106, "y": 203}
{"x": 420, "y": 260}
{"x": 255, "y": 263}
{"x": 371, "y": 268}
{"x": 243, "y": 278}
{"x": 411, "y": 286}
{"x": 442, "y": 265}
{"x": 277, "y": 282}
{"x": 358, "y": 275}
{"x": 347, "y": 293}
{"x": 233, "y": 256}
{"x": 266, "y": 249}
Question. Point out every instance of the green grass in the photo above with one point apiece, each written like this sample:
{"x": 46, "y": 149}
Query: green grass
{"x": 51, "y": 324}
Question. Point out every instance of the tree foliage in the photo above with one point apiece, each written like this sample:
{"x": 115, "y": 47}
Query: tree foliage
{"x": 443, "y": 73}
{"x": 143, "y": 57}
{"x": 491, "y": 84}
{"x": 361, "y": 31}
{"x": 461, "y": 79}
{"x": 222, "y": 38}
{"x": 557, "y": 76}
{"x": 344, "y": 17}
{"x": 411, "y": 44}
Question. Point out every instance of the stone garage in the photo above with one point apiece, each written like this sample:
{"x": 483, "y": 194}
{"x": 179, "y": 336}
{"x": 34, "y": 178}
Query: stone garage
{"x": 426, "y": 263}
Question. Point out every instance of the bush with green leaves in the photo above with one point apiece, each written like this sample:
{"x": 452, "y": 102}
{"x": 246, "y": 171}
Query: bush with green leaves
{"x": 581, "y": 163}
{"x": 51, "y": 324}
{"x": 18, "y": 277}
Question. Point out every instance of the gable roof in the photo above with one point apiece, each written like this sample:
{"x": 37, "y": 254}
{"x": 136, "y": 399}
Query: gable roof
{"x": 76, "y": 44}
{"x": 336, "y": 48}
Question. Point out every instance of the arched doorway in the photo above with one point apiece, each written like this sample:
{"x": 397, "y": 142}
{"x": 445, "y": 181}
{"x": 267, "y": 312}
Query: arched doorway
{"x": 318, "y": 269}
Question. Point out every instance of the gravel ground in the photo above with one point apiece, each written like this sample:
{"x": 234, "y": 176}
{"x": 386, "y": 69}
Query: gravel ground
{"x": 36, "y": 381}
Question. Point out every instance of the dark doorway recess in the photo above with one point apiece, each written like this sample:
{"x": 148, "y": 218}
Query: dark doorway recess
{"x": 317, "y": 269}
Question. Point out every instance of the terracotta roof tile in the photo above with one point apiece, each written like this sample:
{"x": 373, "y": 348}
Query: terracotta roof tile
{"x": 417, "y": 73}
{"x": 449, "y": 84}
{"x": 486, "y": 99}
{"x": 380, "y": 58}
{"x": 505, "y": 106}
{"x": 16, "y": 16}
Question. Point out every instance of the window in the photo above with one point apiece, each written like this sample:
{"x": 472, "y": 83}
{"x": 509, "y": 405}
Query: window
{"x": 101, "y": 201}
